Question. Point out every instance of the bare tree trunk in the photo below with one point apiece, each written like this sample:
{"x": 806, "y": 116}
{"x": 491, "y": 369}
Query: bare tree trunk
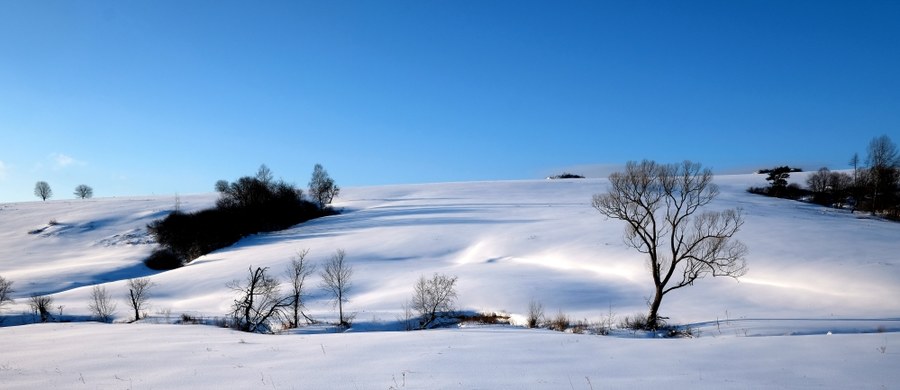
{"x": 134, "y": 304}
{"x": 653, "y": 316}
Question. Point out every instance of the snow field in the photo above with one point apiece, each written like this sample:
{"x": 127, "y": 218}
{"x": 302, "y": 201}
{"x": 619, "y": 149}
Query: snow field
{"x": 812, "y": 271}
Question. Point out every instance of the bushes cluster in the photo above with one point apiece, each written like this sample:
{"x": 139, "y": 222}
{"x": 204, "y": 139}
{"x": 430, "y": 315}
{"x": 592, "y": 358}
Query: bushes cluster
{"x": 566, "y": 175}
{"x": 247, "y": 206}
{"x": 874, "y": 187}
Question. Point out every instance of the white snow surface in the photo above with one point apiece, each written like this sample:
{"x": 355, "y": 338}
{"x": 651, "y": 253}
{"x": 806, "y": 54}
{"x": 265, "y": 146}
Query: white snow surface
{"x": 822, "y": 288}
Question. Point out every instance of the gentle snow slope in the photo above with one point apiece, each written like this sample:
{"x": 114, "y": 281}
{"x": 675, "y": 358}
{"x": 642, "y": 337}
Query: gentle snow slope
{"x": 812, "y": 270}
{"x": 509, "y": 243}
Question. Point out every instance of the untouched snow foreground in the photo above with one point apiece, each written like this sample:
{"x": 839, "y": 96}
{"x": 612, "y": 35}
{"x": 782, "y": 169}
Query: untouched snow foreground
{"x": 822, "y": 287}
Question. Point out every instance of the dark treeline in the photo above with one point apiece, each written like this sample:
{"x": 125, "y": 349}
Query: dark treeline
{"x": 872, "y": 186}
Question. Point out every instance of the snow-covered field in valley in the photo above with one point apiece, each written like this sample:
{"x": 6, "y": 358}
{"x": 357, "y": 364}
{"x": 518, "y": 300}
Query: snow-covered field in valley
{"x": 818, "y": 308}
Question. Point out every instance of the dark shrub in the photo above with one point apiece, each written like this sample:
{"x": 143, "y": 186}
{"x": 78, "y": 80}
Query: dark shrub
{"x": 567, "y": 175}
{"x": 163, "y": 259}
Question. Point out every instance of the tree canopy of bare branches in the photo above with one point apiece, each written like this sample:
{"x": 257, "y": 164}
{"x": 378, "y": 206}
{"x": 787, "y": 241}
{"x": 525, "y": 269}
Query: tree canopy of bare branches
{"x": 660, "y": 204}
{"x": 297, "y": 271}
{"x": 433, "y": 297}
{"x": 138, "y": 295}
{"x": 42, "y": 190}
{"x": 40, "y": 305}
{"x": 84, "y": 191}
{"x": 259, "y": 301}
{"x": 336, "y": 281}
{"x": 883, "y": 175}
{"x": 322, "y": 189}
{"x": 101, "y": 304}
{"x": 6, "y": 291}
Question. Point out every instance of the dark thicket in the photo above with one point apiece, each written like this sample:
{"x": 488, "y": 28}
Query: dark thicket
{"x": 249, "y": 205}
{"x": 163, "y": 259}
{"x": 567, "y": 175}
{"x": 829, "y": 188}
{"x": 873, "y": 187}
{"x": 883, "y": 177}
{"x": 778, "y": 184}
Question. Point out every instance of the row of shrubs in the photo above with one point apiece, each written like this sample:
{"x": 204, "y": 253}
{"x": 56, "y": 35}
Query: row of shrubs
{"x": 247, "y": 206}
{"x": 638, "y": 322}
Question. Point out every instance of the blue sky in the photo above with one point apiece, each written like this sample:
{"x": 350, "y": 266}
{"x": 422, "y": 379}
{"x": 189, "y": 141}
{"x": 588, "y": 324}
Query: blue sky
{"x": 164, "y": 97}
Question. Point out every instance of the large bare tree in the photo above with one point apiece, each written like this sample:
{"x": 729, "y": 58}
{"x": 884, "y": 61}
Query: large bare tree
{"x": 660, "y": 204}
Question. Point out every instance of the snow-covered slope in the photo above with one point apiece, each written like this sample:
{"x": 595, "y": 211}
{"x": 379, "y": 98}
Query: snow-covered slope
{"x": 811, "y": 268}
{"x": 509, "y": 243}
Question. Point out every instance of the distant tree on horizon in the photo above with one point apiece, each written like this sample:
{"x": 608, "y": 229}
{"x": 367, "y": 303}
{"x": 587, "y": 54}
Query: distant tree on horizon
{"x": 777, "y": 177}
{"x": 567, "y": 175}
{"x": 322, "y": 189}
{"x": 264, "y": 175}
{"x": 42, "y": 190}
{"x": 222, "y": 186}
{"x": 84, "y": 191}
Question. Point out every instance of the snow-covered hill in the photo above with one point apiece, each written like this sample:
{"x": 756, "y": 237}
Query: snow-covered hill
{"x": 812, "y": 270}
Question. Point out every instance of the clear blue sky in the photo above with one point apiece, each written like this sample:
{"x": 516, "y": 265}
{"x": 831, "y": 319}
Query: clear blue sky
{"x": 159, "y": 97}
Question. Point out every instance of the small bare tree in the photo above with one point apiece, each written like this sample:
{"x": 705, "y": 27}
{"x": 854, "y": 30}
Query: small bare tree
{"x": 41, "y": 305}
{"x": 138, "y": 295}
{"x": 297, "y": 271}
{"x": 336, "y": 280}
{"x": 101, "y": 305}
{"x": 259, "y": 301}
{"x": 6, "y": 291}
{"x": 433, "y": 297}
{"x": 660, "y": 205}
{"x": 42, "y": 190}
{"x": 535, "y": 314}
{"x": 406, "y": 316}
{"x": 84, "y": 191}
